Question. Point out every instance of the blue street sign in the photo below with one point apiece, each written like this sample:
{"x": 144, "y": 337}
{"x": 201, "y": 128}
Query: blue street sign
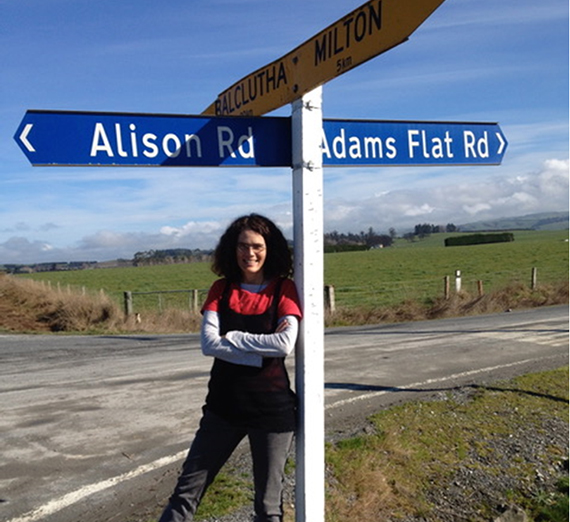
{"x": 398, "y": 143}
{"x": 50, "y": 138}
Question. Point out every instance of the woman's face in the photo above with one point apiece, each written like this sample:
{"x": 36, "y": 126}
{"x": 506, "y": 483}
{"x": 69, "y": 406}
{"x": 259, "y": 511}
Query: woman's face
{"x": 251, "y": 252}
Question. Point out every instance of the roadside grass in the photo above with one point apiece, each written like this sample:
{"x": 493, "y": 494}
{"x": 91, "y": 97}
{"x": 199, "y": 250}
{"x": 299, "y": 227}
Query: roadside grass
{"x": 228, "y": 492}
{"x": 428, "y": 458}
{"x": 28, "y": 306}
{"x": 512, "y": 296}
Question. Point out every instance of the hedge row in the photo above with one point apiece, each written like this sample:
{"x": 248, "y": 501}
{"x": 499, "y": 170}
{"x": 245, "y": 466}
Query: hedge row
{"x": 479, "y": 239}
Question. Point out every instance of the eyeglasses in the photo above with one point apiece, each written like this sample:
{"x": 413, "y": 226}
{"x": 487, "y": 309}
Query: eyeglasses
{"x": 256, "y": 248}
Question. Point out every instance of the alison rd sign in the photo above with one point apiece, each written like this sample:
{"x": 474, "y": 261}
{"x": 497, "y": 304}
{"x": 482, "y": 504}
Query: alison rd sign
{"x": 50, "y": 138}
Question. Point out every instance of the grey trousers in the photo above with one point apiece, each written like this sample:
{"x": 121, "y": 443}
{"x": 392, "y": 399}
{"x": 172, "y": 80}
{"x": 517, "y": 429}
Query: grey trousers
{"x": 215, "y": 441}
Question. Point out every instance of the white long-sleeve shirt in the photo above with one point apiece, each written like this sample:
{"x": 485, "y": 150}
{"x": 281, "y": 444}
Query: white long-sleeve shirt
{"x": 246, "y": 348}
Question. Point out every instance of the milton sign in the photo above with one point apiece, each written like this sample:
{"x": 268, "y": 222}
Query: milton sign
{"x": 366, "y": 32}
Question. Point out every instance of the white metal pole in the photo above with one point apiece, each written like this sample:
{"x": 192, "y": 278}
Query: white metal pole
{"x": 307, "y": 122}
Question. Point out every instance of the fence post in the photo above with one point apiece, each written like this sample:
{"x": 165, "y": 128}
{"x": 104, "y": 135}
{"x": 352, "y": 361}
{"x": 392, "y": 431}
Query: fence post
{"x": 533, "y": 278}
{"x": 458, "y": 281}
{"x": 128, "y": 299}
{"x": 330, "y": 305}
{"x": 480, "y": 288}
{"x": 446, "y": 287}
{"x": 194, "y": 300}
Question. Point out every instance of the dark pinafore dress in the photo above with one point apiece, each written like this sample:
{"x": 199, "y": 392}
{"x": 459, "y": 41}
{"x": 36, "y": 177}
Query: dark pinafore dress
{"x": 248, "y": 396}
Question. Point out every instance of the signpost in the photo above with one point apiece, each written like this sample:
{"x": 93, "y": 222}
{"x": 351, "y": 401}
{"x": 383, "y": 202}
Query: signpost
{"x": 366, "y": 32}
{"x": 307, "y": 121}
{"x": 304, "y": 142}
{"x": 118, "y": 139}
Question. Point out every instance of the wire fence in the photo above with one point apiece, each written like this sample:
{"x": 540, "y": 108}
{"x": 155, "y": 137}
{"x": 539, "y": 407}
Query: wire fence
{"x": 137, "y": 302}
{"x": 375, "y": 293}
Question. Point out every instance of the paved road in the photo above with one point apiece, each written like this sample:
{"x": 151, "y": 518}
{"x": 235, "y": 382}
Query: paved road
{"x": 91, "y": 424}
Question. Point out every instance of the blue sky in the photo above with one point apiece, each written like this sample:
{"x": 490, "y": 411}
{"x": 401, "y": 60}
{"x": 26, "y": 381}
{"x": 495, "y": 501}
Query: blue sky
{"x": 472, "y": 60}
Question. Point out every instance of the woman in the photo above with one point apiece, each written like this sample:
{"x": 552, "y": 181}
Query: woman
{"x": 250, "y": 324}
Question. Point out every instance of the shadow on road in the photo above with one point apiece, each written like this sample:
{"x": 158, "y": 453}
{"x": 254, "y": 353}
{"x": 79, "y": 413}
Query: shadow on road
{"x": 398, "y": 389}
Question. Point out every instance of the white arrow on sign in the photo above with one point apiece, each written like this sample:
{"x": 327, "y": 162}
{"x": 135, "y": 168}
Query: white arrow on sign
{"x": 502, "y": 143}
{"x": 24, "y": 137}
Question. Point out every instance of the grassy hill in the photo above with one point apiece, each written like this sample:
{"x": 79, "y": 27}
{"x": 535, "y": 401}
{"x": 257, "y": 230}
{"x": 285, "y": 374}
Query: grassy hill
{"x": 542, "y": 221}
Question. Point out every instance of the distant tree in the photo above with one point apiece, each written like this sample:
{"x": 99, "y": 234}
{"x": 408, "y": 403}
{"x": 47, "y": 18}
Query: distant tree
{"x": 169, "y": 256}
{"x": 450, "y": 227}
{"x": 423, "y": 230}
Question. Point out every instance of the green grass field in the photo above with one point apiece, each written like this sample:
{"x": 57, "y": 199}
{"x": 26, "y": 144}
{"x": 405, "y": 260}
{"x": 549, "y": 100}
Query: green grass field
{"x": 416, "y": 270}
{"x": 380, "y": 277}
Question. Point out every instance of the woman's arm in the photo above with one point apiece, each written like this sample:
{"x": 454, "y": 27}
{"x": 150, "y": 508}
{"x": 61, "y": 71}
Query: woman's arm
{"x": 278, "y": 344}
{"x": 214, "y": 345}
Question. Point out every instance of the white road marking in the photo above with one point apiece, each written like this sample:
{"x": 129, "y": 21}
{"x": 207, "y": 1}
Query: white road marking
{"x": 53, "y": 506}
{"x": 543, "y": 338}
{"x": 429, "y": 381}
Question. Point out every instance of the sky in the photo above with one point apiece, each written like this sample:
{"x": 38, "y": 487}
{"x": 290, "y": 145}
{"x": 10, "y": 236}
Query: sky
{"x": 471, "y": 60}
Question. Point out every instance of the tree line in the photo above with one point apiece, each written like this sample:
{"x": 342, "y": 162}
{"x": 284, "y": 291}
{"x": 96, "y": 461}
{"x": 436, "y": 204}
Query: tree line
{"x": 341, "y": 242}
{"x": 171, "y": 256}
{"x": 426, "y": 229}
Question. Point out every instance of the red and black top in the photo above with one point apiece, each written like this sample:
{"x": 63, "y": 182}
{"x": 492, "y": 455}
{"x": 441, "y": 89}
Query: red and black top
{"x": 245, "y": 395}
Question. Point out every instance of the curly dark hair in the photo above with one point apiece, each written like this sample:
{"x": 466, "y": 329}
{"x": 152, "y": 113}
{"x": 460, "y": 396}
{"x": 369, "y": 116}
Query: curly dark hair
{"x": 278, "y": 263}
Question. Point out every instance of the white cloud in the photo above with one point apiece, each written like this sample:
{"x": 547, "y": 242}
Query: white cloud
{"x": 454, "y": 200}
{"x": 193, "y": 231}
{"x": 475, "y": 209}
{"x": 18, "y": 250}
{"x": 420, "y": 210}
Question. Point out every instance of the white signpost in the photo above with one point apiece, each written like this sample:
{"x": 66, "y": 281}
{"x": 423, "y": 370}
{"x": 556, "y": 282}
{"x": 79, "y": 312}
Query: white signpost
{"x": 307, "y": 123}
{"x": 217, "y": 139}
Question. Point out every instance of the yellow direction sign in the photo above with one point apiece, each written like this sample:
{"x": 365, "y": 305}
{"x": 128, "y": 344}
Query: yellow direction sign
{"x": 371, "y": 29}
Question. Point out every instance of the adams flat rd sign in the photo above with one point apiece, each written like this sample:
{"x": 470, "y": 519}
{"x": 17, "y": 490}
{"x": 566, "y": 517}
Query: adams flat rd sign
{"x": 123, "y": 139}
{"x": 371, "y": 29}
{"x": 398, "y": 143}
